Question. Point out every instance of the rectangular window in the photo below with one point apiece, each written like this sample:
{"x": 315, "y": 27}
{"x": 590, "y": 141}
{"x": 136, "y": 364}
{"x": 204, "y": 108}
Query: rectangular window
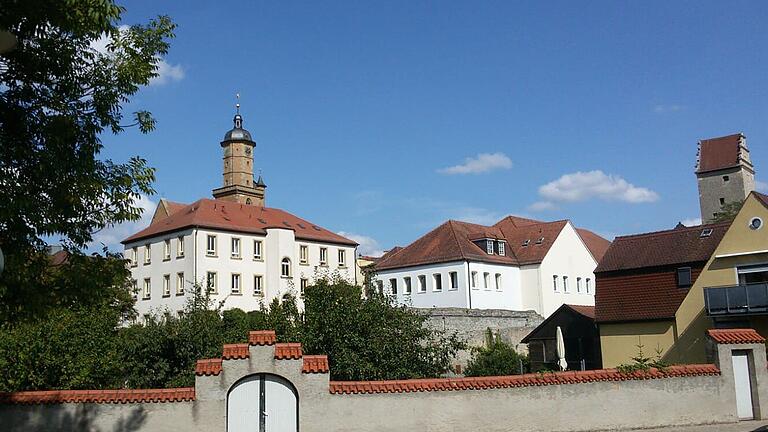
{"x": 211, "y": 282}
{"x": 179, "y": 283}
{"x": 380, "y": 286}
{"x": 167, "y": 250}
{"x": 498, "y": 281}
{"x": 554, "y": 282}
{"x": 303, "y": 254}
{"x": 684, "y": 277}
{"x": 257, "y": 249}
{"x": 726, "y": 178}
{"x": 578, "y": 285}
{"x": 489, "y": 247}
{"x": 753, "y": 274}
{"x": 236, "y": 247}
{"x": 422, "y": 284}
{"x": 342, "y": 258}
{"x": 147, "y": 288}
{"x": 407, "y": 285}
{"x": 135, "y": 256}
{"x": 586, "y": 285}
{"x": 258, "y": 288}
{"x": 147, "y": 254}
{"x": 180, "y": 247}
{"x": 487, "y": 280}
{"x": 303, "y": 286}
{"x": 438, "y": 281}
{"x": 210, "y": 248}
{"x": 166, "y": 285}
{"x": 393, "y": 286}
{"x": 473, "y": 279}
{"x": 502, "y": 248}
{"x": 565, "y": 284}
{"x": 323, "y": 256}
{"x": 135, "y": 288}
{"x": 235, "y": 283}
{"x": 454, "y": 280}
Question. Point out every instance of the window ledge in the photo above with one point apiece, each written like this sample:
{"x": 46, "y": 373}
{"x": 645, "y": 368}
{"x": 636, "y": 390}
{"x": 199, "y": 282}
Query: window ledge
{"x": 147, "y": 262}
{"x": 421, "y": 292}
{"x": 134, "y": 265}
{"x": 259, "y": 259}
{"x": 236, "y": 293}
{"x": 211, "y": 255}
{"x": 453, "y": 289}
{"x": 323, "y": 265}
{"x": 146, "y": 298}
{"x": 180, "y": 256}
{"x": 343, "y": 266}
{"x": 178, "y": 294}
{"x": 166, "y": 259}
{"x": 286, "y": 277}
{"x": 166, "y": 295}
{"x": 304, "y": 263}
{"x": 258, "y": 294}
{"x": 236, "y": 258}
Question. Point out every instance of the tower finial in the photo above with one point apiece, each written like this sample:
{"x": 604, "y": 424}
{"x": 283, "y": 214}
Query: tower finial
{"x": 237, "y": 105}
{"x": 238, "y": 117}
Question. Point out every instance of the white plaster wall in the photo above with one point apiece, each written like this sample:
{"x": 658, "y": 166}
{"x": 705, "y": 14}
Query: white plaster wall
{"x": 276, "y": 244}
{"x": 530, "y": 281}
{"x": 570, "y": 257}
{"x": 508, "y": 297}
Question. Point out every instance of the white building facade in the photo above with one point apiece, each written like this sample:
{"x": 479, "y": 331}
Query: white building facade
{"x": 472, "y": 266}
{"x": 243, "y": 253}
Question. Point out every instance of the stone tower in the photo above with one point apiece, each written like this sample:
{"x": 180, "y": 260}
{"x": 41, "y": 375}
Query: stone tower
{"x": 239, "y": 185}
{"x": 725, "y": 173}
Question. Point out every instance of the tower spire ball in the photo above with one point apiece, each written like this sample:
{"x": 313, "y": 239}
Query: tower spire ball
{"x": 237, "y": 105}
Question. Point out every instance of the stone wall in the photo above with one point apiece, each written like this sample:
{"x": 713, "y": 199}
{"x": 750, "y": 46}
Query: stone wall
{"x": 471, "y": 326}
{"x": 564, "y": 401}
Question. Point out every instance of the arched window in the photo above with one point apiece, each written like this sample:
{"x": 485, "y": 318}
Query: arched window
{"x": 285, "y": 267}
{"x": 248, "y": 201}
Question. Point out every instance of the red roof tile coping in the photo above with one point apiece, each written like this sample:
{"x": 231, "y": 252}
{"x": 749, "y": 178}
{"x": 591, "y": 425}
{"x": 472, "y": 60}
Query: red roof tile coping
{"x": 262, "y": 337}
{"x": 208, "y": 367}
{"x": 235, "y": 351}
{"x": 284, "y": 351}
{"x": 735, "y": 336}
{"x": 185, "y": 394}
{"x": 315, "y": 364}
{"x": 527, "y": 380}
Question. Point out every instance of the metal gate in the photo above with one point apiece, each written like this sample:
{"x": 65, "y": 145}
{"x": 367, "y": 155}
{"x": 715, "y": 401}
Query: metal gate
{"x": 262, "y": 403}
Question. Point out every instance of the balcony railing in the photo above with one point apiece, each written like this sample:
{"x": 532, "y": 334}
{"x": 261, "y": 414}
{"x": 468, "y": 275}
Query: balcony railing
{"x": 751, "y": 299}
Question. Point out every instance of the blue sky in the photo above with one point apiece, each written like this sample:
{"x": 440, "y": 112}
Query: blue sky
{"x": 365, "y": 114}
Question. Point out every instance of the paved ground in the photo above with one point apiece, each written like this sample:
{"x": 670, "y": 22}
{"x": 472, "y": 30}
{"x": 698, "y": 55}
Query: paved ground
{"x": 747, "y": 426}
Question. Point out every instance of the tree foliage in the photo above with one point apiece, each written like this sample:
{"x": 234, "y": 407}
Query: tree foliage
{"x": 496, "y": 358}
{"x": 728, "y": 211}
{"x": 58, "y": 95}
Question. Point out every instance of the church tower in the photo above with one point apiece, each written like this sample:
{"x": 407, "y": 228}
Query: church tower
{"x": 239, "y": 185}
{"x": 725, "y": 173}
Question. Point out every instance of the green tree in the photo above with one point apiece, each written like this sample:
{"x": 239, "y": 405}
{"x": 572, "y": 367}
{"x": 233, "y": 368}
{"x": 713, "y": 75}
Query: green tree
{"x": 728, "y": 211}
{"x": 57, "y": 96}
{"x": 495, "y": 358}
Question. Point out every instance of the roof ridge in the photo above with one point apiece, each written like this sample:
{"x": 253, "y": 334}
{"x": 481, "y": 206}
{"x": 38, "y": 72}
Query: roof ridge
{"x": 456, "y": 239}
{"x": 674, "y": 230}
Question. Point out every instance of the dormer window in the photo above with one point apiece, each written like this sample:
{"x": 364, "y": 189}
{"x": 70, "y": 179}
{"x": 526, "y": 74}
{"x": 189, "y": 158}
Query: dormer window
{"x": 502, "y": 248}
{"x": 526, "y": 243}
{"x": 540, "y": 240}
{"x": 489, "y": 246}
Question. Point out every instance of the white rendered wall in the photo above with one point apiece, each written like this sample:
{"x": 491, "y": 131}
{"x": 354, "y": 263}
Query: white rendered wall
{"x": 569, "y": 257}
{"x": 508, "y": 297}
{"x": 277, "y": 244}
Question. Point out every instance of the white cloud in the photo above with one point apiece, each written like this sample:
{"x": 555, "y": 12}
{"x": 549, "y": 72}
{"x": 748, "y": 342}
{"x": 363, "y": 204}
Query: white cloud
{"x": 691, "y": 221}
{"x": 111, "y": 236}
{"x": 761, "y": 186}
{"x": 581, "y": 186}
{"x": 475, "y": 215}
{"x": 482, "y": 163}
{"x": 663, "y": 109}
{"x": 368, "y": 245}
{"x": 166, "y": 72}
{"x": 539, "y": 206}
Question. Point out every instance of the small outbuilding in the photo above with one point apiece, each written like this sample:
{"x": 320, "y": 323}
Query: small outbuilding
{"x": 580, "y": 334}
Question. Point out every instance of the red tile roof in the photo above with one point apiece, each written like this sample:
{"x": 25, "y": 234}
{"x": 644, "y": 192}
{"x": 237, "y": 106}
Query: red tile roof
{"x": 736, "y": 336}
{"x": 122, "y": 396}
{"x": 208, "y": 367}
{"x": 315, "y": 364}
{"x": 446, "y": 243}
{"x": 453, "y": 241}
{"x": 661, "y": 248}
{"x": 235, "y": 351}
{"x": 587, "y": 311}
{"x": 262, "y": 337}
{"x": 762, "y": 198}
{"x": 527, "y": 380}
{"x": 287, "y": 351}
{"x": 231, "y": 216}
{"x": 637, "y": 296}
{"x": 719, "y": 153}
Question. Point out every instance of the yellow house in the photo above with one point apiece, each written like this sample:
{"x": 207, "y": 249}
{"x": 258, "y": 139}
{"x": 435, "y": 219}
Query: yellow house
{"x": 665, "y": 289}
{"x": 640, "y": 283}
{"x": 732, "y": 291}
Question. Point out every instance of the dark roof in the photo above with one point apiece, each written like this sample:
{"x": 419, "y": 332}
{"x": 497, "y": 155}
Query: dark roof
{"x": 231, "y": 216}
{"x": 661, "y": 248}
{"x": 448, "y": 242}
{"x": 719, "y": 153}
{"x": 762, "y": 198}
{"x": 545, "y": 331}
{"x": 640, "y": 295}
